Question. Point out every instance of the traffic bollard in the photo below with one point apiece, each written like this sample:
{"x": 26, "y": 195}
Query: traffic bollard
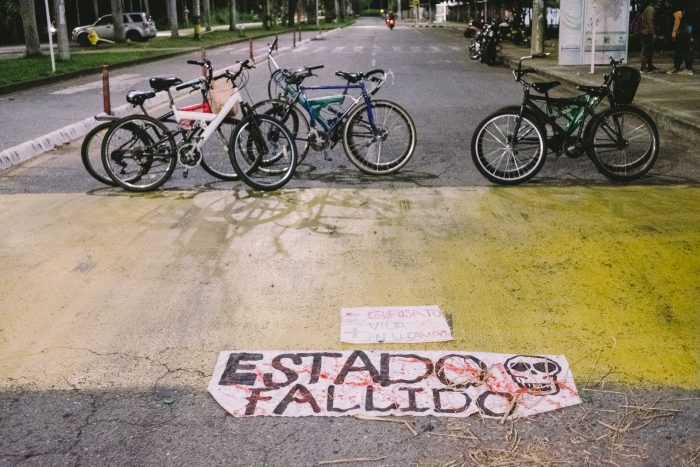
{"x": 250, "y": 44}
{"x": 106, "y": 100}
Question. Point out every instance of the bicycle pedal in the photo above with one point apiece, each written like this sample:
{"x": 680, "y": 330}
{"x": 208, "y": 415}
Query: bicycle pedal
{"x": 327, "y": 157}
{"x": 185, "y": 173}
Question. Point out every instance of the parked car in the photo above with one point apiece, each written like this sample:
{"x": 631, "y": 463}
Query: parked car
{"x": 137, "y": 27}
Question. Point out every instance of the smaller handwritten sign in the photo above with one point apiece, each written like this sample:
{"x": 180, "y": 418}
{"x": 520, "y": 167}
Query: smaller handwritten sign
{"x": 404, "y": 324}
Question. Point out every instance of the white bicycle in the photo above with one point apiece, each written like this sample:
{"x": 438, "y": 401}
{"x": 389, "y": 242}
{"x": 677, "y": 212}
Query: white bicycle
{"x": 140, "y": 153}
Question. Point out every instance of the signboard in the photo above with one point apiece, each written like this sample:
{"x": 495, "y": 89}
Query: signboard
{"x": 582, "y": 20}
{"x": 402, "y": 324}
{"x": 439, "y": 383}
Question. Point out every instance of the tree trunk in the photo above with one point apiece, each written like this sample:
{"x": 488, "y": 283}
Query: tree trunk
{"x": 231, "y": 15}
{"x": 172, "y": 19}
{"x": 118, "y": 19}
{"x": 207, "y": 15}
{"x": 59, "y": 9}
{"x": 196, "y": 18}
{"x": 291, "y": 12}
{"x": 538, "y": 27}
{"x": 31, "y": 33}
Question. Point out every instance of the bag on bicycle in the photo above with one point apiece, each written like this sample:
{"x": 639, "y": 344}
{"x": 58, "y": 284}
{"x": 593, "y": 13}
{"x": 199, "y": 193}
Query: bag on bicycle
{"x": 625, "y": 83}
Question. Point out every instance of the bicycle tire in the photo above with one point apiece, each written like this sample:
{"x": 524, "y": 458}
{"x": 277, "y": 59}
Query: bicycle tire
{"x": 91, "y": 153}
{"x": 393, "y": 126}
{"x": 296, "y": 122}
{"x": 263, "y": 152}
{"x": 215, "y": 158}
{"x": 139, "y": 153}
{"x": 637, "y": 146}
{"x": 275, "y": 85}
{"x": 500, "y": 162}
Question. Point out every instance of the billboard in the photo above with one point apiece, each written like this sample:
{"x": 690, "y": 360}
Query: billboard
{"x": 583, "y": 20}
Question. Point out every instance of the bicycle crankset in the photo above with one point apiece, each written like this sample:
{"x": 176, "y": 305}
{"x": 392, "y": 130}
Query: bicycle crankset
{"x": 189, "y": 155}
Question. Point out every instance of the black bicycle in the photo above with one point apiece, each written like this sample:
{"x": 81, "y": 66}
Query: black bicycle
{"x": 510, "y": 145}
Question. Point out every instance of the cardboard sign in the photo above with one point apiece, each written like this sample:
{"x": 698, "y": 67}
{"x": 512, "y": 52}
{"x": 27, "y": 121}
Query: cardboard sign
{"x": 334, "y": 383}
{"x": 403, "y": 324}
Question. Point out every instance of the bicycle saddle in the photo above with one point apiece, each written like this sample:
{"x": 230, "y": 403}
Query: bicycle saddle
{"x": 544, "y": 87}
{"x": 350, "y": 77}
{"x": 592, "y": 90}
{"x": 162, "y": 84}
{"x": 297, "y": 76}
{"x": 139, "y": 97}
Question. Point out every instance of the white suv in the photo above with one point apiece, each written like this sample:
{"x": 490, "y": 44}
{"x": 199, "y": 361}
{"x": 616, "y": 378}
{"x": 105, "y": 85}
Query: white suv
{"x": 137, "y": 27}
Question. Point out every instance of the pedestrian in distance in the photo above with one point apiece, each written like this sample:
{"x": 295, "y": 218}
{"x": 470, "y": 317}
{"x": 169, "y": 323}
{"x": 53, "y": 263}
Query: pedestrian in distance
{"x": 682, "y": 35}
{"x": 647, "y": 38}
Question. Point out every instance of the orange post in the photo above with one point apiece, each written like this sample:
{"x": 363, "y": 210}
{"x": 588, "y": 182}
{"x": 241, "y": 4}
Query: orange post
{"x": 250, "y": 46}
{"x": 294, "y": 39}
{"x": 106, "y": 100}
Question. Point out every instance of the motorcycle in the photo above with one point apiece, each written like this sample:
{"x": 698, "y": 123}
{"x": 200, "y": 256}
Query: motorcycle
{"x": 513, "y": 31}
{"x": 391, "y": 23}
{"x": 484, "y": 46}
{"x": 473, "y": 28}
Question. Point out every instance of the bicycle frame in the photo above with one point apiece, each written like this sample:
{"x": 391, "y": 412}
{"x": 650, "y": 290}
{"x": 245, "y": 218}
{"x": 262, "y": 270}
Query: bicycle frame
{"x": 582, "y": 107}
{"x": 211, "y": 121}
{"x": 313, "y": 106}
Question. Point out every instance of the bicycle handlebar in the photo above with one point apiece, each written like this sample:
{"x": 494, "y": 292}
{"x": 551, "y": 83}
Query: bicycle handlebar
{"x": 192, "y": 84}
{"x": 206, "y": 64}
{"x": 244, "y": 65}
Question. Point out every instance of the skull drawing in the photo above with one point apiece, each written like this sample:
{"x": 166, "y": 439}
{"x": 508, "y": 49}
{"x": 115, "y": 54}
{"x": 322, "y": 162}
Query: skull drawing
{"x": 536, "y": 374}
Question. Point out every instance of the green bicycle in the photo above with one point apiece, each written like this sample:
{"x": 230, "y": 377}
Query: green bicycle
{"x": 510, "y": 146}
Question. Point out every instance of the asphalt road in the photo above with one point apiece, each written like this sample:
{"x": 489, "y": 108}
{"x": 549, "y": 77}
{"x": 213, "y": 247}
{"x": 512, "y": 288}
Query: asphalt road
{"x": 115, "y": 306}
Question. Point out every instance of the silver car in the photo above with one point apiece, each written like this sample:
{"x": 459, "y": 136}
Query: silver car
{"x": 137, "y": 27}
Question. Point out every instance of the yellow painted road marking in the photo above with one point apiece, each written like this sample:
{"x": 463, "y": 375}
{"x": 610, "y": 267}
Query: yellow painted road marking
{"x": 607, "y": 276}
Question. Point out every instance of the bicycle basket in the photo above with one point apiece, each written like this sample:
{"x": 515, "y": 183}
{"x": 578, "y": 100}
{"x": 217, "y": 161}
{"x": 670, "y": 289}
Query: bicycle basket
{"x": 625, "y": 83}
{"x": 219, "y": 93}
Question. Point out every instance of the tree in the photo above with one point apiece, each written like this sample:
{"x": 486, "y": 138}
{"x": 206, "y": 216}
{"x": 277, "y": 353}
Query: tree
{"x": 206, "y": 6}
{"x": 59, "y": 9}
{"x": 118, "y": 21}
{"x": 538, "y": 27}
{"x": 196, "y": 18}
{"x": 172, "y": 18}
{"x": 291, "y": 12}
{"x": 31, "y": 33}
{"x": 231, "y": 15}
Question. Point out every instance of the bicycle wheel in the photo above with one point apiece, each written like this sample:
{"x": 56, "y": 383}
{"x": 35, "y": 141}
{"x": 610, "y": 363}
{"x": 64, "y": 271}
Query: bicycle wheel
{"x": 139, "y": 153}
{"x": 623, "y": 142}
{"x": 263, "y": 152}
{"x": 385, "y": 147}
{"x": 275, "y": 85}
{"x": 215, "y": 158}
{"x": 91, "y": 153}
{"x": 296, "y": 122}
{"x": 503, "y": 158}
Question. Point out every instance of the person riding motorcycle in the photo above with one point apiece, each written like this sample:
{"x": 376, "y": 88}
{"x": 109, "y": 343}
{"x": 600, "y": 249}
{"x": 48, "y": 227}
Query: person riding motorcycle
{"x": 391, "y": 20}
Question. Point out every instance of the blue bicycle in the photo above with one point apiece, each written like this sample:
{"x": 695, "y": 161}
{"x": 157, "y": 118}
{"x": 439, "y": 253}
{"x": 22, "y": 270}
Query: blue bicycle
{"x": 378, "y": 136}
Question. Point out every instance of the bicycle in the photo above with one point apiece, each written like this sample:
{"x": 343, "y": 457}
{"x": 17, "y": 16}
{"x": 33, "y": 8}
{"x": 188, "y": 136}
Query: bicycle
{"x": 215, "y": 159}
{"x": 510, "y": 146}
{"x": 378, "y": 136}
{"x": 140, "y": 153}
